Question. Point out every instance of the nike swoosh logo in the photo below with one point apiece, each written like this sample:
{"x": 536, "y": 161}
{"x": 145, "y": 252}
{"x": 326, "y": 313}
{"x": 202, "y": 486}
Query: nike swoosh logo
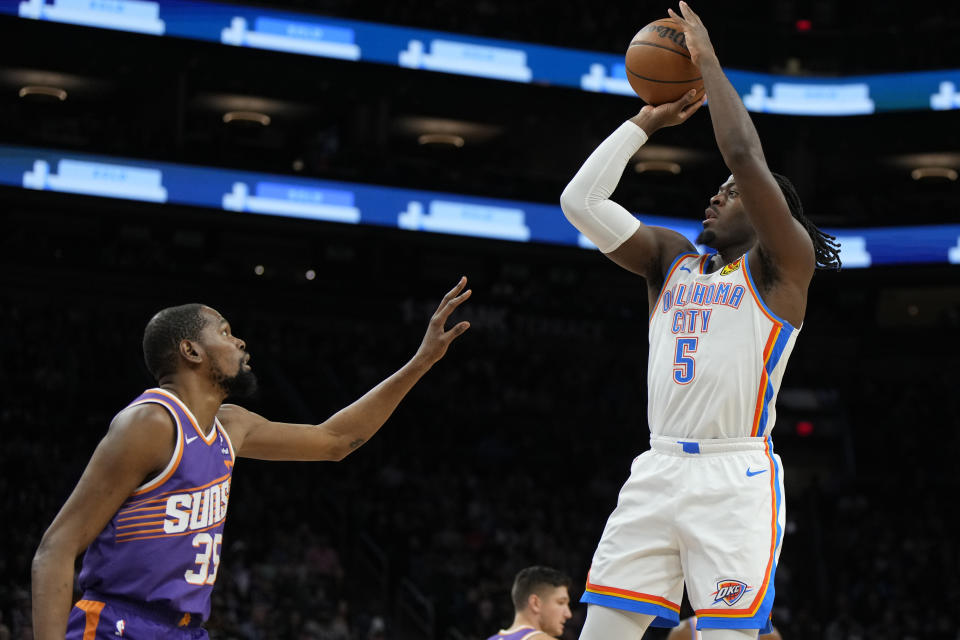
{"x": 189, "y": 440}
{"x": 685, "y": 269}
{"x": 750, "y": 474}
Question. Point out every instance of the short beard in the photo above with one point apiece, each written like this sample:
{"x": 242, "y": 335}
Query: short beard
{"x": 242, "y": 386}
{"x": 706, "y": 237}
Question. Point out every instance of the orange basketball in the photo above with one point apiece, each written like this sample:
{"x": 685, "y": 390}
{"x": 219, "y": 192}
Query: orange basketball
{"x": 659, "y": 67}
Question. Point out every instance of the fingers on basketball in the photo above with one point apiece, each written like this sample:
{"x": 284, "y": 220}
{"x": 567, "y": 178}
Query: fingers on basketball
{"x": 659, "y": 66}
{"x": 691, "y": 109}
{"x": 686, "y": 10}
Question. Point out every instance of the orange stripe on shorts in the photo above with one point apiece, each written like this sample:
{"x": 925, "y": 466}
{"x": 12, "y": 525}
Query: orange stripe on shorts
{"x": 92, "y": 608}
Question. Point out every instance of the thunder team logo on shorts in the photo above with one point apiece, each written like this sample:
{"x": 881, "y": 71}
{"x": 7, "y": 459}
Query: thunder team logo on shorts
{"x": 729, "y": 591}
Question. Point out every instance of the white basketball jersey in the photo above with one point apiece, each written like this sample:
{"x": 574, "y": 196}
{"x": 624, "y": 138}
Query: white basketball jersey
{"x": 717, "y": 354}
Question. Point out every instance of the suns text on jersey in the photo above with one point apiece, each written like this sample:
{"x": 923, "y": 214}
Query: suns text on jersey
{"x": 197, "y": 509}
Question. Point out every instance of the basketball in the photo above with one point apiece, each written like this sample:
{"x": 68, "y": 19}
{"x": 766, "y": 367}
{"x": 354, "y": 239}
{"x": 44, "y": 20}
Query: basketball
{"x": 659, "y": 67}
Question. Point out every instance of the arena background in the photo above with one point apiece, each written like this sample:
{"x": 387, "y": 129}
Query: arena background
{"x": 511, "y": 451}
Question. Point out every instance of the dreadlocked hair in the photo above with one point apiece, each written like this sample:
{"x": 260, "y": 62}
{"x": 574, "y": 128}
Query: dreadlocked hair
{"x": 825, "y": 246}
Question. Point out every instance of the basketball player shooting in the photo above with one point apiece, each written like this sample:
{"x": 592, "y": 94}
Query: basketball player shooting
{"x": 150, "y": 507}
{"x": 704, "y": 506}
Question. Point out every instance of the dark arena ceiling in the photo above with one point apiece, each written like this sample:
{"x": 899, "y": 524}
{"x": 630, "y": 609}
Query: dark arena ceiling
{"x": 164, "y": 98}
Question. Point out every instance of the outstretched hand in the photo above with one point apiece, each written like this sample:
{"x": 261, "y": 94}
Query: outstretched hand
{"x": 694, "y": 33}
{"x": 669, "y": 114}
{"x": 438, "y": 338}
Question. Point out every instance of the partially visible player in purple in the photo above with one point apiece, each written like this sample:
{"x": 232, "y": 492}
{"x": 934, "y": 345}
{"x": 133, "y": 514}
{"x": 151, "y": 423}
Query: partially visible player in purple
{"x": 150, "y": 507}
{"x": 541, "y": 605}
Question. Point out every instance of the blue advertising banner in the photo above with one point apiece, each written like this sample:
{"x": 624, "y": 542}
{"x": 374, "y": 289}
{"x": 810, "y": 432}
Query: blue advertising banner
{"x": 245, "y": 192}
{"x": 352, "y": 40}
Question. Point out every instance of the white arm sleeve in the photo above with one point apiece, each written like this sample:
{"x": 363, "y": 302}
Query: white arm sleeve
{"x": 586, "y": 200}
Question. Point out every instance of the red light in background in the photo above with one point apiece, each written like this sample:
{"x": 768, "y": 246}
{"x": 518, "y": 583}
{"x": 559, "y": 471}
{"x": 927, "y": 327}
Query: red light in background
{"x": 803, "y": 25}
{"x": 804, "y": 428}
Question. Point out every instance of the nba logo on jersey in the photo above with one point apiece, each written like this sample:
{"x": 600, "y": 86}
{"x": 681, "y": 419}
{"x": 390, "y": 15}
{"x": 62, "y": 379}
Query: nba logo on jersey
{"x": 729, "y": 591}
{"x": 121, "y": 625}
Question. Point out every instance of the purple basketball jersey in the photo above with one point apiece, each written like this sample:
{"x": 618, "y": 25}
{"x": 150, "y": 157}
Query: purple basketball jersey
{"x": 162, "y": 547}
{"x": 515, "y": 634}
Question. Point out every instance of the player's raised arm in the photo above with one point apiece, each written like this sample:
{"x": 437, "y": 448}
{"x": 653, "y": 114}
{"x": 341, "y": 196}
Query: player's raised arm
{"x": 781, "y": 237}
{"x": 254, "y": 436}
{"x": 586, "y": 203}
{"x": 138, "y": 445}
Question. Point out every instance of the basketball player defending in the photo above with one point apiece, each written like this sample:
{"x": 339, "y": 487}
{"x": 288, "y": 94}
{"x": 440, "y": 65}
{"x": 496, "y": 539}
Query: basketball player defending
{"x": 151, "y": 504}
{"x": 705, "y": 505}
{"x": 541, "y": 604}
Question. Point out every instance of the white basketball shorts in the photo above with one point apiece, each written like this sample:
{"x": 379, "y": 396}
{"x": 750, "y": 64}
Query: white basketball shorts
{"x": 708, "y": 513}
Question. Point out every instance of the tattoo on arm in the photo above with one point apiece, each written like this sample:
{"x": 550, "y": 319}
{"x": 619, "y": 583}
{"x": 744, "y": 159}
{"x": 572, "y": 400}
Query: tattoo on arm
{"x": 356, "y": 443}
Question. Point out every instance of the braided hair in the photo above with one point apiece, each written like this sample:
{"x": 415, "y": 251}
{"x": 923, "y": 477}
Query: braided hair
{"x": 825, "y": 246}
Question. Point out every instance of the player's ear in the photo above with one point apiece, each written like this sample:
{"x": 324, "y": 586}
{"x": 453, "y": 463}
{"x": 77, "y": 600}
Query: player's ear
{"x": 191, "y": 351}
{"x": 534, "y": 603}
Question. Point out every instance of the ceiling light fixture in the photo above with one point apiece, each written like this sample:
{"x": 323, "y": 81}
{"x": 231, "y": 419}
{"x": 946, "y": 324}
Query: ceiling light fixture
{"x": 661, "y": 166}
{"x": 40, "y": 90}
{"x": 921, "y": 173}
{"x": 448, "y": 139}
{"x": 246, "y": 116}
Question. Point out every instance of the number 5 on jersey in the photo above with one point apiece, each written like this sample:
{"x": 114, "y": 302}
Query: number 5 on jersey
{"x": 684, "y": 367}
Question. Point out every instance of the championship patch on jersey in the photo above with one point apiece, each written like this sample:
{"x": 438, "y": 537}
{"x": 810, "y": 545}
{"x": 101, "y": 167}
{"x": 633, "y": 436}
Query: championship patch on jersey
{"x": 730, "y": 268}
{"x": 729, "y": 592}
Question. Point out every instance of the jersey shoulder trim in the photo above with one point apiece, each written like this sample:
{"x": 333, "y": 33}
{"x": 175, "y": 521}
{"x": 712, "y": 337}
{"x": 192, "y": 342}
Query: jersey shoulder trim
{"x": 530, "y": 633}
{"x": 704, "y": 261}
{"x": 174, "y": 462}
{"x": 679, "y": 260}
{"x": 756, "y": 296}
{"x": 226, "y": 437}
{"x": 193, "y": 420}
